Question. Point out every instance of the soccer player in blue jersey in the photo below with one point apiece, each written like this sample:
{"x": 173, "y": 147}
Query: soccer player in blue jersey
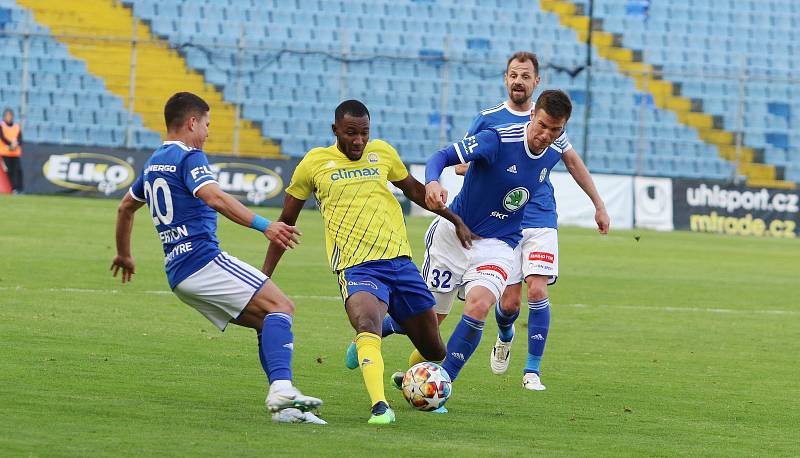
{"x": 509, "y": 164}
{"x": 536, "y": 262}
{"x": 183, "y": 198}
{"x": 537, "y": 257}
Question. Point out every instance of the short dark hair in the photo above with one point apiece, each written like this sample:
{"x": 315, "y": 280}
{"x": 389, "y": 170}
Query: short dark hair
{"x": 555, "y": 103}
{"x": 7, "y": 110}
{"x": 181, "y": 106}
{"x": 354, "y": 108}
{"x": 524, "y": 56}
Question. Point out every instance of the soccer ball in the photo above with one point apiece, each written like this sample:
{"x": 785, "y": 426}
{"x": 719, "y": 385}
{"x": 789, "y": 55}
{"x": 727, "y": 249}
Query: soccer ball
{"x": 426, "y": 386}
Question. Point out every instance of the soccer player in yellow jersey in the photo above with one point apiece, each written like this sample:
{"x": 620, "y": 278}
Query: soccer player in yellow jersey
{"x": 366, "y": 241}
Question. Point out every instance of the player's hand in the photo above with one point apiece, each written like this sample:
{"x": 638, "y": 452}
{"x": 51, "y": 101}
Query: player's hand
{"x": 284, "y": 235}
{"x": 435, "y": 196}
{"x": 465, "y": 235}
{"x": 461, "y": 169}
{"x": 602, "y": 219}
{"x": 127, "y": 265}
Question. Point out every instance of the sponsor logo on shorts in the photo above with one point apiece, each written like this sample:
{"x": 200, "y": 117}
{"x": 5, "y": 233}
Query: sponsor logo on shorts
{"x": 493, "y": 268}
{"x": 537, "y": 266}
{"x": 541, "y": 256}
{"x": 362, "y": 283}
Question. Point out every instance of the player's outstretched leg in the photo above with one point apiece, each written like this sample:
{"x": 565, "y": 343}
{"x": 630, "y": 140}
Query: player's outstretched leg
{"x": 423, "y": 331}
{"x": 270, "y": 312}
{"x": 469, "y": 330}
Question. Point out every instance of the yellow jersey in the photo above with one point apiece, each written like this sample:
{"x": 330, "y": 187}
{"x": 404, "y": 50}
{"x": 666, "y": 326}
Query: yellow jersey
{"x": 363, "y": 220}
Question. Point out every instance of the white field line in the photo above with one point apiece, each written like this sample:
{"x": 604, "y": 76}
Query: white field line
{"x": 338, "y": 299}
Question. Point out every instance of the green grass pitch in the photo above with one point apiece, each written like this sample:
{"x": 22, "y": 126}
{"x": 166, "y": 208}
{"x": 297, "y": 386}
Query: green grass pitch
{"x": 673, "y": 345}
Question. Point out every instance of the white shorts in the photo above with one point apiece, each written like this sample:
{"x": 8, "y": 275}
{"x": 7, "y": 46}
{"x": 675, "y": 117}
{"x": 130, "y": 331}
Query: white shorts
{"x": 448, "y": 265}
{"x": 221, "y": 289}
{"x": 536, "y": 254}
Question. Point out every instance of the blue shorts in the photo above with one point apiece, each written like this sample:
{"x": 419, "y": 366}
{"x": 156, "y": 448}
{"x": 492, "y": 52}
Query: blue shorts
{"x": 396, "y": 282}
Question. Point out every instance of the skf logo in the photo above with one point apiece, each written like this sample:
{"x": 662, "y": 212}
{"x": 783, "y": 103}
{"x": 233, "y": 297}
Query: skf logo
{"x": 366, "y": 172}
{"x": 88, "y": 172}
{"x": 250, "y": 182}
{"x": 541, "y": 256}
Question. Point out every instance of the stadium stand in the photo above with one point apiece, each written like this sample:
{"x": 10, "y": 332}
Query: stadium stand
{"x": 66, "y": 104}
{"x": 288, "y": 63}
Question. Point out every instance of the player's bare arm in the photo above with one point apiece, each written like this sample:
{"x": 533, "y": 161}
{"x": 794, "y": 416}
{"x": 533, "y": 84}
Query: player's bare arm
{"x": 124, "y": 260}
{"x": 581, "y": 175}
{"x": 291, "y": 210}
{"x": 281, "y": 233}
{"x": 415, "y": 191}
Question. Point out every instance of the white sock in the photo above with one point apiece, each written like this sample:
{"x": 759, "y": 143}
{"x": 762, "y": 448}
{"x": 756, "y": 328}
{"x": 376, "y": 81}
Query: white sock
{"x": 280, "y": 385}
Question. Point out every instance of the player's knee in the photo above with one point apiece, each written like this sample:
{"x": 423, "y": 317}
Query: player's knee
{"x": 478, "y": 308}
{"x": 537, "y": 292}
{"x": 510, "y": 304}
{"x": 282, "y": 305}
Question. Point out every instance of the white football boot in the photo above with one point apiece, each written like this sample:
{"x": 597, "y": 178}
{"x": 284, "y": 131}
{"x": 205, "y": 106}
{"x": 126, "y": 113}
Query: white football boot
{"x": 532, "y": 382}
{"x": 501, "y": 356}
{"x": 279, "y": 399}
{"x": 292, "y": 415}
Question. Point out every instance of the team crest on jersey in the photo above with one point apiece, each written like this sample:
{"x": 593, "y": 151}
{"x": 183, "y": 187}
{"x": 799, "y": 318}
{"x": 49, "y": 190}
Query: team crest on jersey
{"x": 516, "y": 199}
{"x": 372, "y": 158}
{"x": 542, "y": 175}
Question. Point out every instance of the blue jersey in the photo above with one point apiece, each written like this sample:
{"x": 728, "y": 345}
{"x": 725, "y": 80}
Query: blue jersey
{"x": 503, "y": 177}
{"x": 541, "y": 211}
{"x": 185, "y": 224}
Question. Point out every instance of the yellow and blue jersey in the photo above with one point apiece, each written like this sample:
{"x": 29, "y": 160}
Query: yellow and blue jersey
{"x": 363, "y": 220}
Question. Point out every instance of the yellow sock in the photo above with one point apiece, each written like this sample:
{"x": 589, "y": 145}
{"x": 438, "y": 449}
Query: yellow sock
{"x": 371, "y": 362}
{"x": 416, "y": 358}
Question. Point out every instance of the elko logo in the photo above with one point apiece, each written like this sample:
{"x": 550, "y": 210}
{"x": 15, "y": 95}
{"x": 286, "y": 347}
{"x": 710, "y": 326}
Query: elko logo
{"x": 88, "y": 172}
{"x": 516, "y": 199}
{"x": 251, "y": 182}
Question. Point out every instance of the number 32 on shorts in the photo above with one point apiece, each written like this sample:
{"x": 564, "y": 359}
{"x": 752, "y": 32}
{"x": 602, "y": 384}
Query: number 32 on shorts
{"x": 441, "y": 279}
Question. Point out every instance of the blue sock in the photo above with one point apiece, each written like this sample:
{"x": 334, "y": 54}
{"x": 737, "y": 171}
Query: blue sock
{"x": 277, "y": 345}
{"x": 505, "y": 323}
{"x": 261, "y": 356}
{"x": 462, "y": 343}
{"x": 538, "y": 325}
{"x": 390, "y": 326}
